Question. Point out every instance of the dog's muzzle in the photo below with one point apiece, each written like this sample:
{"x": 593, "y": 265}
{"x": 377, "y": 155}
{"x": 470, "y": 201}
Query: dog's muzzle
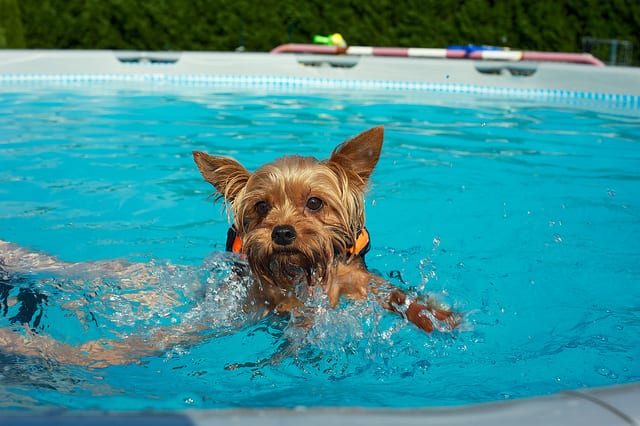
{"x": 283, "y": 235}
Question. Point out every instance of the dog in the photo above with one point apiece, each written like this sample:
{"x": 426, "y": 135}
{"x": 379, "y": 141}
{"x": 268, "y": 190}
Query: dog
{"x": 298, "y": 223}
{"x": 301, "y": 221}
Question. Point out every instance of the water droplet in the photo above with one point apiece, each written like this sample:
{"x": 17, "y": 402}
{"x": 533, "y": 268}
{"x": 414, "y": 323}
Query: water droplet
{"x": 436, "y": 242}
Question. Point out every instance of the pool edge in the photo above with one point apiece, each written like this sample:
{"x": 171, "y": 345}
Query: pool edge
{"x": 537, "y": 79}
{"x": 613, "y": 405}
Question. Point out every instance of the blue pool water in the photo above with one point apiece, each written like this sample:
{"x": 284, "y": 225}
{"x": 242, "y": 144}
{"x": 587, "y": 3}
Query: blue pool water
{"x": 524, "y": 214}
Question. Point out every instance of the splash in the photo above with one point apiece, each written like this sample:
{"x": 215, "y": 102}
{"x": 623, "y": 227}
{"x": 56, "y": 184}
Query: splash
{"x": 170, "y": 309}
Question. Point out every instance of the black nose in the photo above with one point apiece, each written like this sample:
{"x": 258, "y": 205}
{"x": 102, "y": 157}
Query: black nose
{"x": 283, "y": 235}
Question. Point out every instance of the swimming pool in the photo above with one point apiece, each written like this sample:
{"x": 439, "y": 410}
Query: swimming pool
{"x": 521, "y": 211}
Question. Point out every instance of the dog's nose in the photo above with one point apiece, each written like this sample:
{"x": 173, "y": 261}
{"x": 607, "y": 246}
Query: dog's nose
{"x": 283, "y": 235}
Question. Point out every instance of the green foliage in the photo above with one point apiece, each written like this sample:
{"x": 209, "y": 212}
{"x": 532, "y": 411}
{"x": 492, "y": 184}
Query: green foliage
{"x": 552, "y": 25}
{"x": 11, "y": 32}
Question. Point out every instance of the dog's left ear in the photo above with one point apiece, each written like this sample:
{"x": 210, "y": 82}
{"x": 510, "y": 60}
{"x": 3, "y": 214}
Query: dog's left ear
{"x": 361, "y": 153}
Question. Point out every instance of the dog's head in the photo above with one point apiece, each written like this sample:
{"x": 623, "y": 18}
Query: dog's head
{"x": 297, "y": 216}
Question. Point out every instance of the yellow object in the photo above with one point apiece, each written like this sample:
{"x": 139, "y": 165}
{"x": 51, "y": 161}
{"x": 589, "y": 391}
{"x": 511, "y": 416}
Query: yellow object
{"x": 334, "y": 39}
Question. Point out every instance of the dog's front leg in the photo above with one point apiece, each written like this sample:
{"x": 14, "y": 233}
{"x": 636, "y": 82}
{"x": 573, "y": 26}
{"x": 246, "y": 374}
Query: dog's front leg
{"x": 426, "y": 316}
{"x": 354, "y": 281}
{"x": 351, "y": 280}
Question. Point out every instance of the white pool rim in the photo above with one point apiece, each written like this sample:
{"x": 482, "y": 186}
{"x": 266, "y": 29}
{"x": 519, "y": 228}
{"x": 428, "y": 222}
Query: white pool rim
{"x": 617, "y": 86}
{"x": 608, "y": 406}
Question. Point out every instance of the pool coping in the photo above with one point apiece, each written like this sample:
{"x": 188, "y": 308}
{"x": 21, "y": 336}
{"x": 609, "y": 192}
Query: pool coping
{"x": 615, "y": 405}
{"x": 618, "y": 85}
{"x": 612, "y": 406}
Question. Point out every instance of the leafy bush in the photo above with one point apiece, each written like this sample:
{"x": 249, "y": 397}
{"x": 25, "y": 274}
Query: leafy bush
{"x": 11, "y": 32}
{"x": 552, "y": 25}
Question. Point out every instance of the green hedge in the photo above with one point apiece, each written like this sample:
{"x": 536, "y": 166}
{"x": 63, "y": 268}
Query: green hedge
{"x": 552, "y": 25}
{"x": 11, "y": 29}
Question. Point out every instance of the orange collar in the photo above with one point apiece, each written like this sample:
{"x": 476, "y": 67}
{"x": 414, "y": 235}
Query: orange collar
{"x": 236, "y": 246}
{"x": 362, "y": 243}
{"x": 360, "y": 248}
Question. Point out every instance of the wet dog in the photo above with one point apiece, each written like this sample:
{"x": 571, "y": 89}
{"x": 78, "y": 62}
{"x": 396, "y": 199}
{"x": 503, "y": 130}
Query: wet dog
{"x": 300, "y": 221}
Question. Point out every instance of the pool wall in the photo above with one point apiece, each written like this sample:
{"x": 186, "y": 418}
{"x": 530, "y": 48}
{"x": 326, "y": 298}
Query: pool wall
{"x": 614, "y": 406}
{"x": 617, "y": 405}
{"x": 548, "y": 79}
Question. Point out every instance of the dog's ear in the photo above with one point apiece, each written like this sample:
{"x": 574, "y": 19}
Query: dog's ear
{"x": 225, "y": 174}
{"x": 361, "y": 153}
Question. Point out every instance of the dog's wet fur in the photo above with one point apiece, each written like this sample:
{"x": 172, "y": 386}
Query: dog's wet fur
{"x": 297, "y": 222}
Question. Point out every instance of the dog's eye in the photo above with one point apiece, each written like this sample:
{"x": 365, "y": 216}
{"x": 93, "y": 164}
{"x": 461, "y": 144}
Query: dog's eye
{"x": 314, "y": 204}
{"x": 262, "y": 208}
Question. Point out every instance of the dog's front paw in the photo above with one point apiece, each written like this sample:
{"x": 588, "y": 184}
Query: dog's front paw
{"x": 430, "y": 318}
{"x": 427, "y": 317}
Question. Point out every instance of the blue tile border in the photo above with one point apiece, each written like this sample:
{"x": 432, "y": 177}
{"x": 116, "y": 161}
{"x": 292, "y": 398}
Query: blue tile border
{"x": 287, "y": 82}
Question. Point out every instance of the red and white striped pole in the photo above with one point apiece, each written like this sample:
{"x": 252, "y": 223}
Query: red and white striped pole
{"x": 415, "y": 52}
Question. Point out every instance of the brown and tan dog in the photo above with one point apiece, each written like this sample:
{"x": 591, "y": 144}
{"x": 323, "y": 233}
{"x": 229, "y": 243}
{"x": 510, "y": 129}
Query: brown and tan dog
{"x": 300, "y": 220}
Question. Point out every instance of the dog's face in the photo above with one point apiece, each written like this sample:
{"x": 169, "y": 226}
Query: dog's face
{"x": 297, "y": 216}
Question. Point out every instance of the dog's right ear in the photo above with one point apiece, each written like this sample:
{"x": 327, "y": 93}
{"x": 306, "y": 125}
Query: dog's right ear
{"x": 361, "y": 153}
{"x": 225, "y": 174}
